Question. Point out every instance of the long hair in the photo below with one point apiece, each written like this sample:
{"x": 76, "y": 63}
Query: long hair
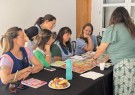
{"x": 7, "y": 39}
{"x": 59, "y": 38}
{"x": 48, "y": 17}
{"x": 42, "y": 38}
{"x": 82, "y": 33}
{"x": 121, "y": 15}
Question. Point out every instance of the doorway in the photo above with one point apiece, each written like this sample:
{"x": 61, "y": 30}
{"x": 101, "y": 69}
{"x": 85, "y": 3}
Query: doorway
{"x": 83, "y": 14}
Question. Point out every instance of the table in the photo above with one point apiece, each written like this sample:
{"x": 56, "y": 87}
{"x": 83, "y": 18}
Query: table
{"x": 79, "y": 85}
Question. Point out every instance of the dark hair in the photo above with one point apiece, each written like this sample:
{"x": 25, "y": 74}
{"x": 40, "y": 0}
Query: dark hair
{"x": 31, "y": 32}
{"x": 7, "y": 39}
{"x": 48, "y": 17}
{"x": 121, "y": 15}
{"x": 59, "y": 38}
{"x": 81, "y": 33}
{"x": 42, "y": 38}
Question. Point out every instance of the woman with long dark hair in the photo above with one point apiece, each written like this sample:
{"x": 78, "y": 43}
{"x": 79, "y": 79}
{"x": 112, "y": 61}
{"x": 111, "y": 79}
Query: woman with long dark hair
{"x": 61, "y": 48}
{"x": 119, "y": 42}
{"x": 46, "y": 22}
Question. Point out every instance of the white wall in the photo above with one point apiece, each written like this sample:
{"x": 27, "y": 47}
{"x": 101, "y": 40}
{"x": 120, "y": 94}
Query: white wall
{"x": 95, "y": 16}
{"x": 24, "y": 13}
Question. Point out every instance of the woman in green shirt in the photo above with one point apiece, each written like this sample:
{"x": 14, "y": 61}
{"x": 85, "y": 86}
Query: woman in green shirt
{"x": 43, "y": 42}
{"x": 62, "y": 45}
{"x": 119, "y": 42}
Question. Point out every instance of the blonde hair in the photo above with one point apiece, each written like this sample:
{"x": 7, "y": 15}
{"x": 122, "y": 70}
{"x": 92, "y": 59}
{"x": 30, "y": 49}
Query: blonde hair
{"x": 42, "y": 38}
{"x": 6, "y": 42}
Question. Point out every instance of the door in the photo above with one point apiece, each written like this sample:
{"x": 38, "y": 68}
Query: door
{"x": 83, "y": 14}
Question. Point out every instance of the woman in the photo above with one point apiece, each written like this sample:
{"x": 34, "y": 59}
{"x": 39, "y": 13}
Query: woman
{"x": 61, "y": 48}
{"x": 46, "y": 22}
{"x": 119, "y": 42}
{"x": 43, "y": 42}
{"x": 16, "y": 58}
{"x": 86, "y": 41}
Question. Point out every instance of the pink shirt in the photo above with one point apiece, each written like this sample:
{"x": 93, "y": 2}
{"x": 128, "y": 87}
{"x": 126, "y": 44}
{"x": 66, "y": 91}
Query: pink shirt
{"x": 6, "y": 60}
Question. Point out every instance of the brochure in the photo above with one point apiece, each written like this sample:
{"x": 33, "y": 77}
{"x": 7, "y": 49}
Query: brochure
{"x": 34, "y": 83}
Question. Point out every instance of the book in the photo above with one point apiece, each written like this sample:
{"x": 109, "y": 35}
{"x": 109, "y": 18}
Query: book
{"x": 58, "y": 64}
{"x": 34, "y": 83}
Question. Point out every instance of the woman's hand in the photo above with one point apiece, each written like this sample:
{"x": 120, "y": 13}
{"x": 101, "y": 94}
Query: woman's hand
{"x": 24, "y": 76}
{"x": 34, "y": 70}
{"x": 93, "y": 61}
{"x": 47, "y": 47}
{"x": 28, "y": 69}
{"x": 25, "y": 73}
{"x": 86, "y": 36}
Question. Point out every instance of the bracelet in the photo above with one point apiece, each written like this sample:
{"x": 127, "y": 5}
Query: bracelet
{"x": 47, "y": 55}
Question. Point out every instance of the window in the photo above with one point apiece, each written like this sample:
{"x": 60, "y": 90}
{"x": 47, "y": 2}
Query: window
{"x": 108, "y": 6}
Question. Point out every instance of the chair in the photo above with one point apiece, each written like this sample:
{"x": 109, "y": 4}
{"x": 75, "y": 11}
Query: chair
{"x": 99, "y": 38}
{"x": 73, "y": 44}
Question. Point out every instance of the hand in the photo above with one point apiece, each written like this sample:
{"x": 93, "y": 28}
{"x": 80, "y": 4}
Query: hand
{"x": 24, "y": 76}
{"x": 35, "y": 70}
{"x": 86, "y": 36}
{"x": 28, "y": 69}
{"x": 93, "y": 61}
{"x": 47, "y": 47}
{"x": 97, "y": 48}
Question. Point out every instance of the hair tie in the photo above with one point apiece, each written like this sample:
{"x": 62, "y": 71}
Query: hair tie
{"x": 42, "y": 18}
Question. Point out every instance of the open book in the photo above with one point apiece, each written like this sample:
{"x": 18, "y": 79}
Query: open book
{"x": 34, "y": 83}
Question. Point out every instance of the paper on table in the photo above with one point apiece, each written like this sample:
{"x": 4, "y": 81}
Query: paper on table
{"x": 58, "y": 63}
{"x": 92, "y": 75}
{"x": 77, "y": 57}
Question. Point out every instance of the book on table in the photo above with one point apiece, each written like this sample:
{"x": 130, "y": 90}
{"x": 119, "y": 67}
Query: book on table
{"x": 34, "y": 83}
